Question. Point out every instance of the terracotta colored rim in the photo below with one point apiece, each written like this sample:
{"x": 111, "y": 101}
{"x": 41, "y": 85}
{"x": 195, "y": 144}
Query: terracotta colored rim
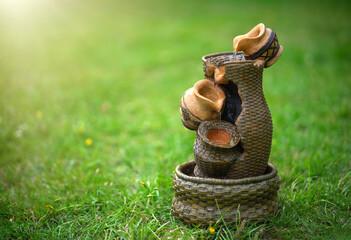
{"x": 272, "y": 172}
{"x": 221, "y": 125}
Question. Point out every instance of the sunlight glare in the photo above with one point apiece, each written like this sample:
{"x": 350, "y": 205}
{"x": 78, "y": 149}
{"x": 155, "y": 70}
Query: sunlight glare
{"x": 17, "y": 10}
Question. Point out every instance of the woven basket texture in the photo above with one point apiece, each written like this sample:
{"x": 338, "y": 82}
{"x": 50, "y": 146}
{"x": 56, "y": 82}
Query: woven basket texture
{"x": 212, "y": 159}
{"x": 201, "y": 200}
{"x": 268, "y": 51}
{"x": 189, "y": 120}
{"x": 254, "y": 123}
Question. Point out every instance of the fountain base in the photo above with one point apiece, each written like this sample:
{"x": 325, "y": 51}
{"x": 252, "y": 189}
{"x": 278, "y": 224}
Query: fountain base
{"x": 202, "y": 200}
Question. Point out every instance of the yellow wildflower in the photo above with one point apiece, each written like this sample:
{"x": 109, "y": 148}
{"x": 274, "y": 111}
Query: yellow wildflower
{"x": 38, "y": 114}
{"x": 142, "y": 183}
{"x": 49, "y": 206}
{"x": 212, "y": 230}
{"x": 88, "y": 142}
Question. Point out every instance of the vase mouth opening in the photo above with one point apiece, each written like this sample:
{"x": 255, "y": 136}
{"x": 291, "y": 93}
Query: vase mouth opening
{"x": 208, "y": 92}
{"x": 257, "y": 31}
{"x": 219, "y": 133}
{"x": 211, "y": 93}
{"x": 224, "y": 58}
{"x": 219, "y": 136}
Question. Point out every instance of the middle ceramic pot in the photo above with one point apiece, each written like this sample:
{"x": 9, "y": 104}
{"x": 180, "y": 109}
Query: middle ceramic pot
{"x": 215, "y": 148}
{"x": 203, "y": 102}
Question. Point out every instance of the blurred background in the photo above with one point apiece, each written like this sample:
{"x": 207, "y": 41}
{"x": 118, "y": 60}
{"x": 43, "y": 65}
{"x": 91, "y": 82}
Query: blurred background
{"x": 90, "y": 92}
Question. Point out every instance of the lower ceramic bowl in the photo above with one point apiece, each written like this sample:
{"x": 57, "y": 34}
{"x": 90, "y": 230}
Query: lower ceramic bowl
{"x": 215, "y": 148}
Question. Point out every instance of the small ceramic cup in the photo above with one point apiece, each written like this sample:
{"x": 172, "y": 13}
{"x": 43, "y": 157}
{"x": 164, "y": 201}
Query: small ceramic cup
{"x": 215, "y": 147}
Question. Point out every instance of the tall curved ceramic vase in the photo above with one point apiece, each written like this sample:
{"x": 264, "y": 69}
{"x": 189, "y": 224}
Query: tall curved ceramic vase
{"x": 254, "y": 122}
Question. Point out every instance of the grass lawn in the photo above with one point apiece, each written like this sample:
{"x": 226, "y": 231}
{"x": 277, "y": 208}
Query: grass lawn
{"x": 90, "y": 130}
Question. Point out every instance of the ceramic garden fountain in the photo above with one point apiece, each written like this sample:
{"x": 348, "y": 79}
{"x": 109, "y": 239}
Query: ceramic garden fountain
{"x": 230, "y": 177}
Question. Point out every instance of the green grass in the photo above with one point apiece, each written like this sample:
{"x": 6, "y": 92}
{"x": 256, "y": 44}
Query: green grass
{"x": 114, "y": 72}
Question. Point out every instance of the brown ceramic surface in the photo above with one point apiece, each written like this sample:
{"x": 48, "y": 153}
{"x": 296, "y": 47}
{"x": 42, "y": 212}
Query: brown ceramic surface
{"x": 218, "y": 136}
{"x": 259, "y": 43}
{"x": 203, "y": 102}
{"x": 253, "y": 40}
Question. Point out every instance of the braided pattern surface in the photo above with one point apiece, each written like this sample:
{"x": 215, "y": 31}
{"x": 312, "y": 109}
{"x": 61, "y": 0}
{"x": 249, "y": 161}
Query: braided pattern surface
{"x": 214, "y": 160}
{"x": 199, "y": 201}
{"x": 268, "y": 51}
{"x": 189, "y": 122}
{"x": 254, "y": 123}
